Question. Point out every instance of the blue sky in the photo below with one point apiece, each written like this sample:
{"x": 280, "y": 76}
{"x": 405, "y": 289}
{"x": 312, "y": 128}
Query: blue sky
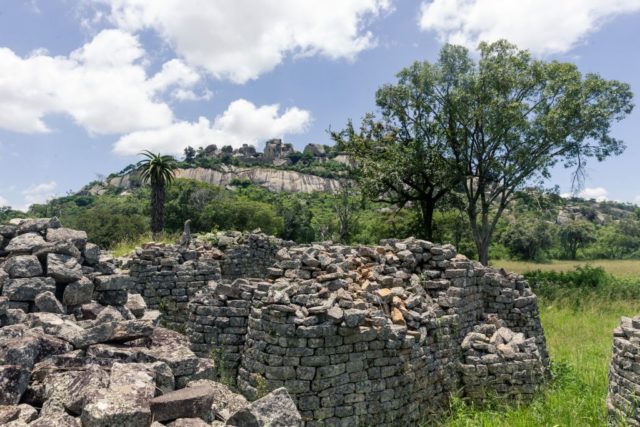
{"x": 87, "y": 84}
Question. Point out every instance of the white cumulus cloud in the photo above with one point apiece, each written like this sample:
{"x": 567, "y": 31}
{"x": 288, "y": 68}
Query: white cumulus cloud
{"x": 3, "y": 202}
{"x": 103, "y": 86}
{"x": 599, "y": 194}
{"x": 39, "y": 193}
{"x": 542, "y": 26}
{"x": 241, "y": 123}
{"x": 241, "y": 39}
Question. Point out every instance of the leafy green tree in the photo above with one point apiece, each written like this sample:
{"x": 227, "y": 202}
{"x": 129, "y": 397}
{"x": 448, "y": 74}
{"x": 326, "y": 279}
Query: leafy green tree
{"x": 528, "y": 237}
{"x": 297, "y": 218}
{"x": 346, "y": 210}
{"x": 576, "y": 235}
{"x": 401, "y": 157}
{"x": 508, "y": 119}
{"x": 6, "y": 214}
{"x": 242, "y": 215}
{"x": 189, "y": 154}
{"x": 157, "y": 170}
{"x": 106, "y": 227}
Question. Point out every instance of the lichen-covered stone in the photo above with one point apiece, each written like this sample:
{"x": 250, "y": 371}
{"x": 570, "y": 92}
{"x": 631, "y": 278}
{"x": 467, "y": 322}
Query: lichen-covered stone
{"x": 21, "y": 266}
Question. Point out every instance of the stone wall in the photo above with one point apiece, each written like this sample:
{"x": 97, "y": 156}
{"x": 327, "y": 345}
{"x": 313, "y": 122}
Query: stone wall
{"x": 374, "y": 335}
{"x": 623, "y": 401}
{"x": 247, "y": 254}
{"x": 77, "y": 349}
{"x": 169, "y": 276}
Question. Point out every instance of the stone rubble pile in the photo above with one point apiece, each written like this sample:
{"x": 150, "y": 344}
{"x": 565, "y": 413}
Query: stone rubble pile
{"x": 623, "y": 400}
{"x": 371, "y": 335}
{"x": 77, "y": 349}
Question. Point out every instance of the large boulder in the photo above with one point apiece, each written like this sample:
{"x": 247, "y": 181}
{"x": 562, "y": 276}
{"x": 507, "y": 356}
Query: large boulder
{"x": 276, "y": 409}
{"x": 65, "y": 391}
{"x": 137, "y": 306}
{"x": 23, "y": 266}
{"x": 38, "y": 225}
{"x": 126, "y": 402}
{"x": 91, "y": 254}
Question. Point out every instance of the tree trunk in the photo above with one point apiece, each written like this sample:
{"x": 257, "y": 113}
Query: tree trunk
{"x": 483, "y": 251}
{"x": 157, "y": 209}
{"x": 427, "y": 207}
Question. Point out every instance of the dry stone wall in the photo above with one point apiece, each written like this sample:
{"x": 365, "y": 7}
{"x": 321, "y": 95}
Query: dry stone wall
{"x": 78, "y": 349}
{"x": 623, "y": 401}
{"x": 374, "y": 335}
{"x": 169, "y": 276}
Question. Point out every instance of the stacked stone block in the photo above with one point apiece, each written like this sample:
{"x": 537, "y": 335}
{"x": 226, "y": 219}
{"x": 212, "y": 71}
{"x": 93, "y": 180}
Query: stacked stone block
{"x": 372, "y": 335}
{"x": 217, "y": 326}
{"x": 623, "y": 401}
{"x": 168, "y": 276}
{"x": 247, "y": 255}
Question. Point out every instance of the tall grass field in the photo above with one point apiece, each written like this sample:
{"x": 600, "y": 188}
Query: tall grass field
{"x": 578, "y": 324}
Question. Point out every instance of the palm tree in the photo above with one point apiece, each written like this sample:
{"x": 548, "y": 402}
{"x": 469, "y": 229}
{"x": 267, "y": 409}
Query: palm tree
{"x": 157, "y": 170}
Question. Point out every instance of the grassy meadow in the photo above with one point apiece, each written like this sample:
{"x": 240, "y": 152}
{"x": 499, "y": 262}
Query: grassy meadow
{"x": 624, "y": 268}
{"x": 579, "y": 338}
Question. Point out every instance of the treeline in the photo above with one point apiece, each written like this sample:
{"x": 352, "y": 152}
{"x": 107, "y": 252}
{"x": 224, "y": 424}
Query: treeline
{"x": 529, "y": 229}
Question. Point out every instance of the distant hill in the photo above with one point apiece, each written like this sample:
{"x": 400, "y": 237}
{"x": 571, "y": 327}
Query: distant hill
{"x": 278, "y": 168}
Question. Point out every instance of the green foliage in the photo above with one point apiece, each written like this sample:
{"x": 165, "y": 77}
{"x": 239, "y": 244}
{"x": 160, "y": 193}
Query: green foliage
{"x": 157, "y": 170}
{"x": 243, "y": 215}
{"x": 576, "y": 235}
{"x": 582, "y": 284}
{"x": 6, "y": 214}
{"x": 401, "y": 157}
{"x": 528, "y": 237}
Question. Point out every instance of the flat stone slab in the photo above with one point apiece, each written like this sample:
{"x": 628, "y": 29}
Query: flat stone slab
{"x": 26, "y": 243}
{"x": 190, "y": 402}
{"x": 77, "y": 237}
{"x": 126, "y": 402}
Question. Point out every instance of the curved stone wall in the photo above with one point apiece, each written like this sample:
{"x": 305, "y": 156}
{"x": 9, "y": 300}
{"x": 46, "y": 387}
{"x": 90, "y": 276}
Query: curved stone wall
{"x": 374, "y": 335}
{"x": 623, "y": 401}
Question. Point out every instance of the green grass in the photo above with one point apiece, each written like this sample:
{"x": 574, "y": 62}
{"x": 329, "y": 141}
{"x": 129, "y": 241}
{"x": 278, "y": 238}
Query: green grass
{"x": 125, "y": 247}
{"x": 627, "y": 268}
{"x": 579, "y": 342}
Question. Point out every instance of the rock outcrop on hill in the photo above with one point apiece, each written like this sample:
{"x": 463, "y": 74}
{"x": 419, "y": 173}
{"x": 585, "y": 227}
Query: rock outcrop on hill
{"x": 269, "y": 178}
{"x": 77, "y": 349}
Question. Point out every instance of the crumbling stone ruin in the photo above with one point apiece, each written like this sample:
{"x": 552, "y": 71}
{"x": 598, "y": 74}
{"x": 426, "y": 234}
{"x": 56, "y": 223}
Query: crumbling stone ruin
{"x": 623, "y": 401}
{"x": 169, "y": 276}
{"x": 373, "y": 336}
{"x": 78, "y": 349}
{"x": 318, "y": 334}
